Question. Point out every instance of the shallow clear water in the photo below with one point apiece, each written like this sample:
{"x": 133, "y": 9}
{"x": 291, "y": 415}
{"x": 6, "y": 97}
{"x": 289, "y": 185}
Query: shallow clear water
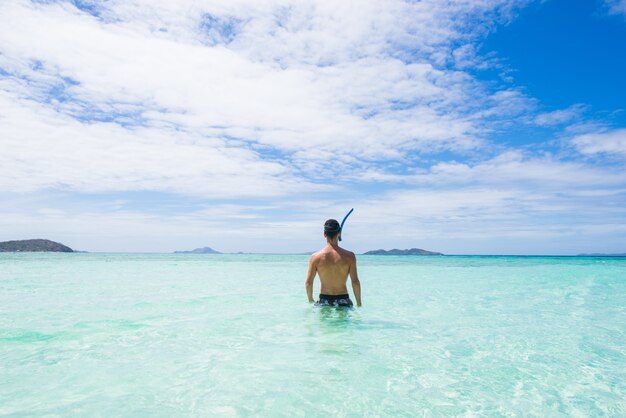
{"x": 232, "y": 335}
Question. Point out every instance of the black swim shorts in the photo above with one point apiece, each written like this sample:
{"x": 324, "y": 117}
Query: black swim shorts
{"x": 334, "y": 300}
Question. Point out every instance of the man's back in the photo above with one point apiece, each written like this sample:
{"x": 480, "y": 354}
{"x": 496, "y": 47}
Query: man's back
{"x": 333, "y": 266}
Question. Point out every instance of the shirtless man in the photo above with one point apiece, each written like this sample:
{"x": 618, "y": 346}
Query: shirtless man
{"x": 333, "y": 264}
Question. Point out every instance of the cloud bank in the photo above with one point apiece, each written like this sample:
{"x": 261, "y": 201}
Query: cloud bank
{"x": 293, "y": 107}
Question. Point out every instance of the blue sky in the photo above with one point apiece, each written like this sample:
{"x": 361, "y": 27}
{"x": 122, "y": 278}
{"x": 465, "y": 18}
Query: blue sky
{"x": 483, "y": 127}
{"x": 565, "y": 52}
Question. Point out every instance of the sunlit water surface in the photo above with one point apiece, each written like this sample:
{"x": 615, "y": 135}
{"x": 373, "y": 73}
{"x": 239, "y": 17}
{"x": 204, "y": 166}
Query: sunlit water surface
{"x": 232, "y": 335}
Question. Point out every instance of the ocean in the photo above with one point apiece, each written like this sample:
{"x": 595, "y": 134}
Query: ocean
{"x": 164, "y": 335}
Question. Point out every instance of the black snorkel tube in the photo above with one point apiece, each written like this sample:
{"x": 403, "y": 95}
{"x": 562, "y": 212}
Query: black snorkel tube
{"x": 342, "y": 222}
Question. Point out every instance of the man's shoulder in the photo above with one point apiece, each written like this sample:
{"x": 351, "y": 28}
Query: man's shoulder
{"x": 348, "y": 253}
{"x": 316, "y": 255}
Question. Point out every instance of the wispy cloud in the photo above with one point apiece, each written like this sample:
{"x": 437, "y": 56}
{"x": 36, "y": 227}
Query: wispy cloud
{"x": 560, "y": 116}
{"x": 616, "y": 7}
{"x": 603, "y": 142}
{"x": 44, "y": 149}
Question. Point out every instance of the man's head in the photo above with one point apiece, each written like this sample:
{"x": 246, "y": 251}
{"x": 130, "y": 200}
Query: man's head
{"x": 331, "y": 229}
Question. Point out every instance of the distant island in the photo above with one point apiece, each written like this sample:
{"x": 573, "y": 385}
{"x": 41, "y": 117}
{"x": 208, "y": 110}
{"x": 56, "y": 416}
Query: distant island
{"x": 395, "y": 251}
{"x": 203, "y": 250}
{"x": 602, "y": 255}
{"x": 33, "y": 245}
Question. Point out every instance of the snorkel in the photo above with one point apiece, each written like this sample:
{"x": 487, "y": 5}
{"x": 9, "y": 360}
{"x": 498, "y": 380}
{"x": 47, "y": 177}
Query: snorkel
{"x": 342, "y": 222}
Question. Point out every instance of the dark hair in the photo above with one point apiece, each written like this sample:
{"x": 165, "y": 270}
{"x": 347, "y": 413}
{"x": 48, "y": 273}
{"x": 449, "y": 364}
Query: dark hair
{"x": 331, "y": 228}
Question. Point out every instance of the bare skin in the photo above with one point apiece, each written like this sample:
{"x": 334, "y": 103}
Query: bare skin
{"x": 333, "y": 264}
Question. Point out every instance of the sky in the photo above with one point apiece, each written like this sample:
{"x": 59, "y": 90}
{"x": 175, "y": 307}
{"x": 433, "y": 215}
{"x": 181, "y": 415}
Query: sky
{"x": 460, "y": 126}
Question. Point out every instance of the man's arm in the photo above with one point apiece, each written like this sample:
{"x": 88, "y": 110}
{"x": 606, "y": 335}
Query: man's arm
{"x": 310, "y": 276}
{"x": 356, "y": 284}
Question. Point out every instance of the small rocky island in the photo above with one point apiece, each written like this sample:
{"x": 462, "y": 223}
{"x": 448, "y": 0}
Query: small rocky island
{"x": 33, "y": 245}
{"x": 395, "y": 251}
{"x": 203, "y": 250}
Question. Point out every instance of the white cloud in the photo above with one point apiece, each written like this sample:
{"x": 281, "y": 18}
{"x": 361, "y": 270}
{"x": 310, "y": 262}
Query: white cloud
{"x": 512, "y": 203}
{"x": 524, "y": 203}
{"x": 303, "y": 80}
{"x": 552, "y": 213}
{"x": 616, "y": 6}
{"x": 605, "y": 142}
{"x": 224, "y": 227}
{"x": 44, "y": 149}
{"x": 559, "y": 117}
{"x": 510, "y": 169}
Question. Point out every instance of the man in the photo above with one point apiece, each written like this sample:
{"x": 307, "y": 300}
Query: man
{"x": 333, "y": 264}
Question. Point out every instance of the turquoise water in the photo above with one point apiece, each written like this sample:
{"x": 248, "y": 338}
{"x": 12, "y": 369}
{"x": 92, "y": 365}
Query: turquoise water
{"x": 232, "y": 335}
